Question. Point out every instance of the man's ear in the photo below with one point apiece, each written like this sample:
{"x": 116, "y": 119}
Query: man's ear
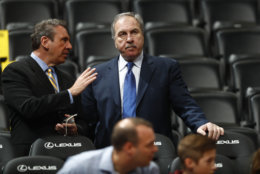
{"x": 129, "y": 148}
{"x": 189, "y": 163}
{"x": 45, "y": 42}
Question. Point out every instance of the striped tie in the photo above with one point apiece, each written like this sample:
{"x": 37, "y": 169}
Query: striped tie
{"x": 52, "y": 79}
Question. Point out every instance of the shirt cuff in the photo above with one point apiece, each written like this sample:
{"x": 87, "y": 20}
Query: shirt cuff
{"x": 71, "y": 98}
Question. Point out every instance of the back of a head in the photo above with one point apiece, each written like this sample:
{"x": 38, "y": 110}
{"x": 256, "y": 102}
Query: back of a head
{"x": 194, "y": 146}
{"x": 125, "y": 131}
{"x": 255, "y": 166}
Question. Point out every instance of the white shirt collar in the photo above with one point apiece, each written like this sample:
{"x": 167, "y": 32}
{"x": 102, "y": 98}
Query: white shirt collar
{"x": 122, "y": 62}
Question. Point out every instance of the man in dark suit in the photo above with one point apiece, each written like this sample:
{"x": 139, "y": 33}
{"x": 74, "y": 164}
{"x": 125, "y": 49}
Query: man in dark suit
{"x": 38, "y": 100}
{"x": 159, "y": 87}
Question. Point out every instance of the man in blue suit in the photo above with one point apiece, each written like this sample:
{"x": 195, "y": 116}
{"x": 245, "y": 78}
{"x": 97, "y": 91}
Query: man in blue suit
{"x": 159, "y": 88}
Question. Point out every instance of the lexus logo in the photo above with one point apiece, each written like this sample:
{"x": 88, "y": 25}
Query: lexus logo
{"x": 22, "y": 168}
{"x": 157, "y": 143}
{"x": 1, "y": 146}
{"x": 48, "y": 145}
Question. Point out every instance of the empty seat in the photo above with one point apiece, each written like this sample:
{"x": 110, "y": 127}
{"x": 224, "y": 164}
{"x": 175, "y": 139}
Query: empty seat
{"x": 177, "y": 42}
{"x": 166, "y": 152}
{"x": 253, "y": 98}
{"x": 61, "y": 146}
{"x": 19, "y": 43}
{"x": 161, "y": 13}
{"x": 19, "y": 13}
{"x": 84, "y": 14}
{"x": 4, "y": 118}
{"x": 33, "y": 164}
{"x": 6, "y": 151}
{"x": 94, "y": 43}
{"x": 220, "y": 107}
{"x": 219, "y": 14}
{"x": 201, "y": 74}
{"x": 237, "y": 147}
{"x": 245, "y": 73}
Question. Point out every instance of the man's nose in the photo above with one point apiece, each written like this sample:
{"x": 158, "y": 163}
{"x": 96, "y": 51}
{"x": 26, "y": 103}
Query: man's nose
{"x": 69, "y": 46}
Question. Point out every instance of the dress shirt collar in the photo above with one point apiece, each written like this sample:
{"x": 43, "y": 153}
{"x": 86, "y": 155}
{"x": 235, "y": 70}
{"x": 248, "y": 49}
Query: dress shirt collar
{"x": 137, "y": 62}
{"x": 40, "y": 62}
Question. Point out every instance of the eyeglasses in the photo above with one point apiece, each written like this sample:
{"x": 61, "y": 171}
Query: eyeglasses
{"x": 71, "y": 120}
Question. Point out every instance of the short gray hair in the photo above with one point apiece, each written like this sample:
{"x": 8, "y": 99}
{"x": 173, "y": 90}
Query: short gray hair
{"x": 45, "y": 28}
{"x": 137, "y": 17}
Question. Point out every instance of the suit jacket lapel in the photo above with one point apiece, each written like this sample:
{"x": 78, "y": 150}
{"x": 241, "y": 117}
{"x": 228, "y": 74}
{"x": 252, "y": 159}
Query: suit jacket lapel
{"x": 43, "y": 79}
{"x": 146, "y": 74}
{"x": 114, "y": 77}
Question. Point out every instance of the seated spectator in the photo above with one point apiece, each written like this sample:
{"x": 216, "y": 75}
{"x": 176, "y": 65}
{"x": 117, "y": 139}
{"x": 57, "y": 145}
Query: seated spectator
{"x": 197, "y": 154}
{"x": 255, "y": 167}
{"x": 132, "y": 151}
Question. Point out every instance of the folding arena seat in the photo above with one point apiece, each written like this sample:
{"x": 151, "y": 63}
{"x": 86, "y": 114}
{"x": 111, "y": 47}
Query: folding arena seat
{"x": 15, "y": 14}
{"x": 253, "y": 98}
{"x": 4, "y": 119}
{"x": 165, "y": 154}
{"x": 85, "y": 14}
{"x": 33, "y": 164}
{"x": 19, "y": 43}
{"x": 94, "y": 43}
{"x": 237, "y": 147}
{"x": 245, "y": 73}
{"x": 177, "y": 42}
{"x": 201, "y": 74}
{"x": 219, "y": 14}
{"x": 69, "y": 67}
{"x": 61, "y": 146}
{"x": 6, "y": 151}
{"x": 164, "y": 13}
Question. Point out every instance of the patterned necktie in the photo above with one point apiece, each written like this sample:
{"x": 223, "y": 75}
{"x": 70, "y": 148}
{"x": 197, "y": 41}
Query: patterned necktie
{"x": 129, "y": 96}
{"x": 52, "y": 79}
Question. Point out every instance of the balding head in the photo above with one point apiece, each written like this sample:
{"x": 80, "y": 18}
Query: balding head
{"x": 125, "y": 131}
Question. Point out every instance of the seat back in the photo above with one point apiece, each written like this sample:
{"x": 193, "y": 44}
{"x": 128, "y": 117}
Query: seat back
{"x": 175, "y": 12}
{"x": 61, "y": 146}
{"x": 254, "y": 107}
{"x": 237, "y": 147}
{"x": 33, "y": 164}
{"x": 219, "y": 14}
{"x": 69, "y": 67}
{"x": 19, "y": 43}
{"x": 26, "y": 12}
{"x": 201, "y": 74}
{"x": 220, "y": 107}
{"x": 166, "y": 152}
{"x": 177, "y": 42}
{"x": 6, "y": 151}
{"x": 94, "y": 43}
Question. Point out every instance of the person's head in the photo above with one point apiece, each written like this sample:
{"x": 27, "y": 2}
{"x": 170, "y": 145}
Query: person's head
{"x": 135, "y": 137}
{"x": 128, "y": 33}
{"x": 52, "y": 39}
{"x": 255, "y": 166}
{"x": 197, "y": 154}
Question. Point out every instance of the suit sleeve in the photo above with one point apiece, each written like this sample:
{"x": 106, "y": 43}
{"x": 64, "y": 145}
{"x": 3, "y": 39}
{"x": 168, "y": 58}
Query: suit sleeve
{"x": 183, "y": 104}
{"x": 24, "y": 95}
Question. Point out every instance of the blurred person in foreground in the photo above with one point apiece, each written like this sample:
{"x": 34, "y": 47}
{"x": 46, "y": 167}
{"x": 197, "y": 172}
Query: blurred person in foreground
{"x": 132, "y": 152}
{"x": 135, "y": 84}
{"x": 255, "y": 165}
{"x": 197, "y": 154}
{"x": 40, "y": 96}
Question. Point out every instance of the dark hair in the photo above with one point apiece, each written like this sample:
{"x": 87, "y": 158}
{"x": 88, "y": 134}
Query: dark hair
{"x": 255, "y": 165}
{"x": 123, "y": 134}
{"x": 137, "y": 17}
{"x": 194, "y": 146}
{"x": 45, "y": 28}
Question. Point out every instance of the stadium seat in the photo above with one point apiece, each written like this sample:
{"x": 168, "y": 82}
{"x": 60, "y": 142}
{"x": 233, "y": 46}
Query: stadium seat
{"x": 6, "y": 151}
{"x": 33, "y": 165}
{"x": 61, "y": 146}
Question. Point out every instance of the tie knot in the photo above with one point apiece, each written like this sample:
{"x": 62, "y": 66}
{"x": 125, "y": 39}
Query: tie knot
{"x": 130, "y": 65}
{"x": 49, "y": 70}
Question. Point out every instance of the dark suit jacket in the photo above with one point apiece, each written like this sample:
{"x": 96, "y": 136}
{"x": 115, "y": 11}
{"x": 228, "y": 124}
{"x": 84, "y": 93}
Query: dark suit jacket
{"x": 161, "y": 88}
{"x": 34, "y": 107}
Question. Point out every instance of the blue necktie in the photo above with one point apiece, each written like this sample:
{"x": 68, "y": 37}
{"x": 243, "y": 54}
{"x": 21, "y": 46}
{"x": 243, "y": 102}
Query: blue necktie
{"x": 129, "y": 97}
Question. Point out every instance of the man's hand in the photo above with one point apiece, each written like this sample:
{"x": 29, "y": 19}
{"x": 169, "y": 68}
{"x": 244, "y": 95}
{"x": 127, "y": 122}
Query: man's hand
{"x": 87, "y": 77}
{"x": 71, "y": 128}
{"x": 214, "y": 131}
